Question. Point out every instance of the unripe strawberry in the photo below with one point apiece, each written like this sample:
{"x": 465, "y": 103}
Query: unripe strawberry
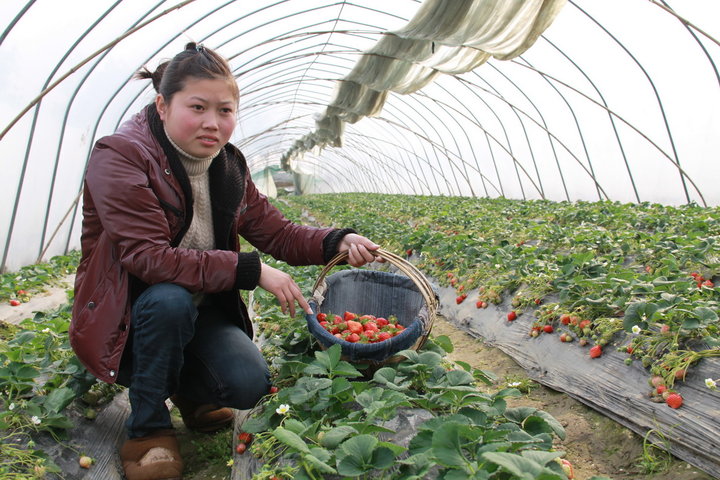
{"x": 85, "y": 461}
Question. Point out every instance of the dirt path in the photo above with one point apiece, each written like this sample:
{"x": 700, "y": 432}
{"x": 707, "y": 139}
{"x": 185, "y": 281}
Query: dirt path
{"x": 594, "y": 444}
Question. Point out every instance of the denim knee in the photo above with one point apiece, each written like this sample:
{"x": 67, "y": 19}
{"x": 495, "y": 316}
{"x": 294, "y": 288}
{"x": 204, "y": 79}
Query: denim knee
{"x": 167, "y": 306}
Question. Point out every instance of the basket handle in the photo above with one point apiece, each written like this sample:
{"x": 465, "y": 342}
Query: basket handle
{"x": 403, "y": 265}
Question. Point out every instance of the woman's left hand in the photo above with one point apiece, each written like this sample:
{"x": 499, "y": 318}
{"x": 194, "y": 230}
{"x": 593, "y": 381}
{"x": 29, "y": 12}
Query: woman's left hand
{"x": 359, "y": 249}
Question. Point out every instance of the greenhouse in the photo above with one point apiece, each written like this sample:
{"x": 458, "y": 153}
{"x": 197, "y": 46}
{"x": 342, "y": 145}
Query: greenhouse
{"x": 458, "y": 239}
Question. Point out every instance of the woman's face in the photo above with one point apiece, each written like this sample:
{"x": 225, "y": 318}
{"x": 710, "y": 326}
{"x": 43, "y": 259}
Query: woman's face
{"x": 200, "y": 118}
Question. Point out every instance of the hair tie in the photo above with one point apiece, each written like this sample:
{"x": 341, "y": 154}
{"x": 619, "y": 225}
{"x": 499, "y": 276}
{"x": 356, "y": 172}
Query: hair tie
{"x": 200, "y": 48}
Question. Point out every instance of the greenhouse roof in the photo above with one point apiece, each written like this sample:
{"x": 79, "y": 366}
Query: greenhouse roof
{"x": 560, "y": 100}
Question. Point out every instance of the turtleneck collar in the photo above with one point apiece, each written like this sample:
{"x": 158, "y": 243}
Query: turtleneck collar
{"x": 193, "y": 165}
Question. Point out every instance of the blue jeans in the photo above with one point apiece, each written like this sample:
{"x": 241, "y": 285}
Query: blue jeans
{"x": 198, "y": 353}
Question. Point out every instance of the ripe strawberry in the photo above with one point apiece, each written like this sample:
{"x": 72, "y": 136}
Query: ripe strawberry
{"x": 665, "y": 329}
{"x": 538, "y": 301}
{"x": 21, "y": 292}
{"x": 383, "y": 336}
{"x": 245, "y": 437}
{"x": 354, "y": 327}
{"x": 349, "y": 316}
{"x": 565, "y": 319}
{"x": 511, "y": 316}
{"x": 371, "y": 327}
{"x": 660, "y": 389}
{"x": 381, "y": 321}
{"x": 353, "y": 338}
{"x": 629, "y": 349}
{"x": 273, "y": 390}
{"x": 479, "y": 304}
{"x": 708, "y": 283}
{"x": 322, "y": 317}
{"x": 460, "y": 299}
{"x": 584, "y": 324}
{"x": 240, "y": 448}
{"x": 14, "y": 303}
{"x": 595, "y": 351}
{"x": 674, "y": 400}
{"x": 408, "y": 252}
{"x": 548, "y": 329}
{"x": 680, "y": 374}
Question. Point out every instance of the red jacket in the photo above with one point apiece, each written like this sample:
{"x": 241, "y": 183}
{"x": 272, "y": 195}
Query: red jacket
{"x": 137, "y": 205}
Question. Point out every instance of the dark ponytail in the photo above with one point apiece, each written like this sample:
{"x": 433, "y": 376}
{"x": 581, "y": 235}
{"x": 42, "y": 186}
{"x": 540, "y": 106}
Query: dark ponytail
{"x": 196, "y": 61}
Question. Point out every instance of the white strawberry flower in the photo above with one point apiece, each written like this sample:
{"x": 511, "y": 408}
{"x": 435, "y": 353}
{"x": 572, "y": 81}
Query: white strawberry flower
{"x": 35, "y": 420}
{"x": 710, "y": 383}
{"x": 282, "y": 409}
{"x": 636, "y": 329}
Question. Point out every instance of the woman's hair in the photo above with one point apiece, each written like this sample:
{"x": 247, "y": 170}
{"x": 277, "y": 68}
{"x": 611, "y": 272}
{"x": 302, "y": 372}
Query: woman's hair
{"x": 195, "y": 61}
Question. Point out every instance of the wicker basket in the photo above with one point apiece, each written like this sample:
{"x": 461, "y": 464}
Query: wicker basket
{"x": 409, "y": 297}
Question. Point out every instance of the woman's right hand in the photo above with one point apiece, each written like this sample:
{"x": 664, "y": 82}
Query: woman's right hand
{"x": 284, "y": 288}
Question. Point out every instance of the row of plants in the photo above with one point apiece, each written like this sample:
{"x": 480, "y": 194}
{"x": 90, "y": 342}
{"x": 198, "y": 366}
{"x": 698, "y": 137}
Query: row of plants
{"x": 40, "y": 375}
{"x": 637, "y": 277}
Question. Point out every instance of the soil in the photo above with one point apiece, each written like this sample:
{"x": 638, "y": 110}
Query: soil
{"x": 594, "y": 444}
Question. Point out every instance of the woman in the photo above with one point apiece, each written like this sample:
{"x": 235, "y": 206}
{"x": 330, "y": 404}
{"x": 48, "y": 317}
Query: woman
{"x": 157, "y": 306}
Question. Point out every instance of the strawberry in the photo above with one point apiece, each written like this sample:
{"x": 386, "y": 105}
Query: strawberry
{"x": 548, "y": 329}
{"x": 383, "y": 336}
{"x": 708, "y": 283}
{"x": 322, "y": 317}
{"x": 568, "y": 469}
{"x": 354, "y": 327}
{"x": 349, "y": 316}
{"x": 381, "y": 321}
{"x": 245, "y": 437}
{"x": 584, "y": 324}
{"x": 511, "y": 316}
{"x": 371, "y": 327}
{"x": 583, "y": 342}
{"x": 461, "y": 298}
{"x": 408, "y": 252}
{"x": 680, "y": 374}
{"x": 595, "y": 351}
{"x": 85, "y": 461}
{"x": 565, "y": 319}
{"x": 538, "y": 301}
{"x": 21, "y": 292}
{"x": 665, "y": 329}
{"x": 629, "y": 349}
{"x": 479, "y": 304}
{"x": 660, "y": 389}
{"x": 657, "y": 380}
{"x": 273, "y": 390}
{"x": 14, "y": 303}
{"x": 353, "y": 338}
{"x": 240, "y": 448}
{"x": 674, "y": 400}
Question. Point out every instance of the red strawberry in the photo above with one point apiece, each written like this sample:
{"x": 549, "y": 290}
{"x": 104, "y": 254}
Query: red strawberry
{"x": 479, "y": 304}
{"x": 353, "y": 338}
{"x": 565, "y": 319}
{"x": 674, "y": 400}
{"x": 664, "y": 329}
{"x": 322, "y": 317}
{"x": 383, "y": 336}
{"x": 408, "y": 251}
{"x": 629, "y": 349}
{"x": 273, "y": 390}
{"x": 244, "y": 437}
{"x": 595, "y": 351}
{"x": 680, "y": 374}
{"x": 21, "y": 292}
{"x": 381, "y": 322}
{"x": 371, "y": 327}
{"x": 511, "y": 316}
{"x": 14, "y": 302}
{"x": 660, "y": 389}
{"x": 354, "y": 327}
{"x": 548, "y": 329}
{"x": 349, "y": 316}
{"x": 240, "y": 448}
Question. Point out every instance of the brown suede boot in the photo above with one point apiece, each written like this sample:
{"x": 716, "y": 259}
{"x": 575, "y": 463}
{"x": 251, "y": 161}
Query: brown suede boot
{"x": 202, "y": 418}
{"x": 155, "y": 457}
